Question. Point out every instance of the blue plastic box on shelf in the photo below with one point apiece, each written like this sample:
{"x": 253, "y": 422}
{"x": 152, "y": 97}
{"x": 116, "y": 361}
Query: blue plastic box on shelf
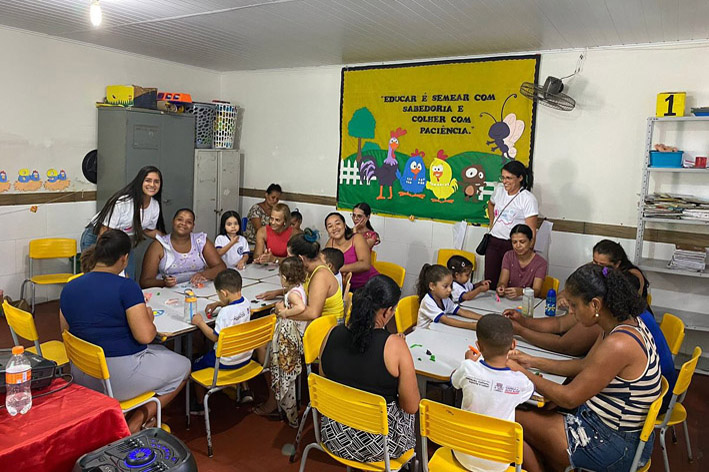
{"x": 665, "y": 159}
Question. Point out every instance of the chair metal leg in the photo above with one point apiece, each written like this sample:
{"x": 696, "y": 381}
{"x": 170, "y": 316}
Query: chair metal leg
{"x": 210, "y": 453}
{"x": 301, "y": 426}
{"x": 664, "y": 449}
{"x": 305, "y": 455}
{"x": 187, "y": 403}
{"x": 34, "y": 294}
{"x": 674, "y": 435}
{"x": 689, "y": 445}
{"x": 159, "y": 411}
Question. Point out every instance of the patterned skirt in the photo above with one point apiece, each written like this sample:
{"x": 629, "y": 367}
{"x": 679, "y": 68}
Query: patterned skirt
{"x": 360, "y": 446}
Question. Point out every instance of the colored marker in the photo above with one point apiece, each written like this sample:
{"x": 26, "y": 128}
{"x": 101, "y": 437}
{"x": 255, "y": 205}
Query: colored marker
{"x": 474, "y": 350}
{"x": 497, "y": 297}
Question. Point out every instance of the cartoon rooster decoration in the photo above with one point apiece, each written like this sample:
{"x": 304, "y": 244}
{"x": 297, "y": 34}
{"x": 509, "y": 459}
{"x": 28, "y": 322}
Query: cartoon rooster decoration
{"x": 413, "y": 180}
{"x": 442, "y": 183}
{"x": 386, "y": 173}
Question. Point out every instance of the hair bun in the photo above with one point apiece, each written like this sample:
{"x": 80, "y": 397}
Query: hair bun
{"x": 311, "y": 235}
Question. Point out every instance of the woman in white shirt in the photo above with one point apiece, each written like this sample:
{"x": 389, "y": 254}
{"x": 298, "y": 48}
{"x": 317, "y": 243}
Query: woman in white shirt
{"x": 511, "y": 204}
{"x": 136, "y": 209}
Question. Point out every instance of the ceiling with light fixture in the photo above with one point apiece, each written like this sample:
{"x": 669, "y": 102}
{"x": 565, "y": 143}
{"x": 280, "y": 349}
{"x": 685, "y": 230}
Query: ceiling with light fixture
{"x": 230, "y": 35}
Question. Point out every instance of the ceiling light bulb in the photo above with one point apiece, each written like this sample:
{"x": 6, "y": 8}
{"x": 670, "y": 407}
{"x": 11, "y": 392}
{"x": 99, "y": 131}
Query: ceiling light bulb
{"x": 95, "y": 13}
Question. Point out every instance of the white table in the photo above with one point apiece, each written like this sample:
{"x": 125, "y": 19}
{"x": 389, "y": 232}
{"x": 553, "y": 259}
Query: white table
{"x": 272, "y": 279}
{"x": 487, "y": 303}
{"x": 251, "y": 291}
{"x": 259, "y": 271}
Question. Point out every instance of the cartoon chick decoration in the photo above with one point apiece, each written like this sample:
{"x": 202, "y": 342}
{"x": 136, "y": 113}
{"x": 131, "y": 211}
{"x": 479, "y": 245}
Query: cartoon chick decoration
{"x": 56, "y": 181}
{"x": 413, "y": 180}
{"x": 441, "y": 184}
{"x": 4, "y": 184}
{"x": 28, "y": 181}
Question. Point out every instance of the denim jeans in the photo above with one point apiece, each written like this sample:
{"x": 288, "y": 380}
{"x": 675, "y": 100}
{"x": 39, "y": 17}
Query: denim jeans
{"x": 88, "y": 238}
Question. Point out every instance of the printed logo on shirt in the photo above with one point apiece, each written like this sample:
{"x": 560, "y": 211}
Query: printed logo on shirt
{"x": 499, "y": 387}
{"x": 479, "y": 382}
{"x": 240, "y": 251}
{"x": 508, "y": 216}
{"x": 512, "y": 390}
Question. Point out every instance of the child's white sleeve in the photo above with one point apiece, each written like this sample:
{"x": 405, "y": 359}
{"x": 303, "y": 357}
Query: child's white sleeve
{"x": 457, "y": 292}
{"x": 527, "y": 390}
{"x": 244, "y": 246}
{"x": 221, "y": 241}
{"x": 430, "y": 311}
{"x": 460, "y": 374}
{"x": 449, "y": 307}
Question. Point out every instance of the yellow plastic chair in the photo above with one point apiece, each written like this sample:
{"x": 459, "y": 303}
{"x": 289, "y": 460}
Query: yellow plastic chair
{"x": 481, "y": 436}
{"x": 406, "y": 313}
{"x": 91, "y": 360}
{"x": 673, "y": 329}
{"x": 549, "y": 283}
{"x": 445, "y": 254}
{"x": 644, "y": 433}
{"x": 391, "y": 270}
{"x": 373, "y": 257}
{"x": 22, "y": 323}
{"x": 357, "y": 409}
{"x": 74, "y": 277}
{"x": 232, "y": 341}
{"x": 312, "y": 343}
{"x": 50, "y": 248}
{"x": 676, "y": 412}
{"x": 348, "y": 306}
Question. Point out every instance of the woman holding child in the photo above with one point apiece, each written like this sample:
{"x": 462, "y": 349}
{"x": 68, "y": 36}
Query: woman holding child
{"x": 358, "y": 254}
{"x": 364, "y": 355}
{"x": 323, "y": 297}
{"x": 180, "y": 256}
{"x": 611, "y": 389}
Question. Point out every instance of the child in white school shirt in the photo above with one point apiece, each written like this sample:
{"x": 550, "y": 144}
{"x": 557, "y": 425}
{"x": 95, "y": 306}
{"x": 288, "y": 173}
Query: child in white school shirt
{"x": 231, "y": 245}
{"x": 435, "y": 305}
{"x": 489, "y": 386}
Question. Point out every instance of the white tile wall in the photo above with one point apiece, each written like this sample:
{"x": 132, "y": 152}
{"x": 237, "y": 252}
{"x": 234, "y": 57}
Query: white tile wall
{"x": 19, "y": 226}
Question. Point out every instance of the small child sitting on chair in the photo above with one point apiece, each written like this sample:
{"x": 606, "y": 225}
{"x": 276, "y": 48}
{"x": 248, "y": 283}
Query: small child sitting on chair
{"x": 489, "y": 386}
{"x": 334, "y": 259}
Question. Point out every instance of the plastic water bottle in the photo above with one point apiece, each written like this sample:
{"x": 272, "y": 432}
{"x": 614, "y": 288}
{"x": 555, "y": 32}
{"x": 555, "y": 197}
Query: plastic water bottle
{"x": 18, "y": 377}
{"x": 550, "y": 309}
{"x": 190, "y": 306}
{"x": 528, "y": 302}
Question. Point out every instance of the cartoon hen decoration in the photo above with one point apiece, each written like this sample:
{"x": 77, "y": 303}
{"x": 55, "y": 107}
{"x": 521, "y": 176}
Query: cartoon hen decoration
{"x": 442, "y": 183}
{"x": 386, "y": 173}
{"x": 413, "y": 180}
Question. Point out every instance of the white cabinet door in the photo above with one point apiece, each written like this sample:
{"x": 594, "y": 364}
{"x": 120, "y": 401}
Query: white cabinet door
{"x": 206, "y": 166}
{"x": 228, "y": 183}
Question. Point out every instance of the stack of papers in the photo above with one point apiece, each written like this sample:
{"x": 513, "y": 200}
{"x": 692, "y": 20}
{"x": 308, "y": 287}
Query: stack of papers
{"x": 686, "y": 259}
{"x": 676, "y": 206}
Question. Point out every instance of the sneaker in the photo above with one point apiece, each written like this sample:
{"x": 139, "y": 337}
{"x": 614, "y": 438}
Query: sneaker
{"x": 246, "y": 396}
{"x": 197, "y": 409}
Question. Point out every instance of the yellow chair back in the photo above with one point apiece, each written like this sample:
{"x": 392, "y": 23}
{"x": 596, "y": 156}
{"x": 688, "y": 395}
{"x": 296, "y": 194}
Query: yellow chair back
{"x": 245, "y": 336}
{"x": 74, "y": 277}
{"x": 20, "y": 321}
{"x": 87, "y": 357}
{"x": 391, "y": 270}
{"x": 687, "y": 372}
{"x": 481, "y": 436}
{"x": 52, "y": 248}
{"x": 314, "y": 335}
{"x": 373, "y": 257}
{"x": 348, "y": 306}
{"x": 445, "y": 254}
{"x": 407, "y": 313}
{"x": 673, "y": 329}
{"x": 549, "y": 283}
{"x": 653, "y": 412}
{"x": 352, "y": 407}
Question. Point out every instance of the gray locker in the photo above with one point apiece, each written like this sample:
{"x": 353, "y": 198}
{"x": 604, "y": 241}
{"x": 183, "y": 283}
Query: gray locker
{"x": 216, "y": 187}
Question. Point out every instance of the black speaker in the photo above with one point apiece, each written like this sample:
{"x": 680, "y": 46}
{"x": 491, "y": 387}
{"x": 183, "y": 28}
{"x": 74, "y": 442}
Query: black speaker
{"x": 150, "y": 450}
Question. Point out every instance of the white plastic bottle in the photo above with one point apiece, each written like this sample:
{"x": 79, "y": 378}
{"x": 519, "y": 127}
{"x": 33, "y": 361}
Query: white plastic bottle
{"x": 18, "y": 377}
{"x": 528, "y": 302}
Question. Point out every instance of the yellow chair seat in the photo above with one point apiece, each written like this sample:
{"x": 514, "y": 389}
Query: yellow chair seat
{"x": 128, "y": 404}
{"x": 679, "y": 414}
{"x": 52, "y": 350}
{"x": 165, "y": 428}
{"x": 204, "y": 377}
{"x": 51, "y": 279}
{"x": 394, "y": 464}
{"x": 444, "y": 461}
{"x": 645, "y": 468}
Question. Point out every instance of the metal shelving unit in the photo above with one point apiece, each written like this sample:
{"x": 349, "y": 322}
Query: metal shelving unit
{"x": 694, "y": 321}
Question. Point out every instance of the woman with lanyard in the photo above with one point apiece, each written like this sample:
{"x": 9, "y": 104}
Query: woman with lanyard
{"x": 611, "y": 389}
{"x": 260, "y": 213}
{"x": 511, "y": 204}
{"x": 136, "y": 209}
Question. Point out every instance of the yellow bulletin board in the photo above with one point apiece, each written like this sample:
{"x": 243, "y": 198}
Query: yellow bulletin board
{"x": 429, "y": 139}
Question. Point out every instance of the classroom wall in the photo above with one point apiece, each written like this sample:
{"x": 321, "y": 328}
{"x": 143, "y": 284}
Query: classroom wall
{"x": 49, "y": 120}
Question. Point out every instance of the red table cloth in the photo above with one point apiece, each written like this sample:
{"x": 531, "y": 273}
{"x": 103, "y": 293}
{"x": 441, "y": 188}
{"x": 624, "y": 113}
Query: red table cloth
{"x": 58, "y": 429}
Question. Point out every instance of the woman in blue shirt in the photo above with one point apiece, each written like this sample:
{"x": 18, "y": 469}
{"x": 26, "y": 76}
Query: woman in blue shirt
{"x": 108, "y": 310}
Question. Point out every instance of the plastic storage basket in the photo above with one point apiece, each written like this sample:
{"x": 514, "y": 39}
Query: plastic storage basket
{"x": 665, "y": 159}
{"x": 224, "y": 126}
{"x": 204, "y": 116}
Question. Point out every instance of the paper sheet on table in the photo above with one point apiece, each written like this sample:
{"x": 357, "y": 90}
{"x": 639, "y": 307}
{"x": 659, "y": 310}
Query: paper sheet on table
{"x": 459, "y": 230}
{"x": 204, "y": 290}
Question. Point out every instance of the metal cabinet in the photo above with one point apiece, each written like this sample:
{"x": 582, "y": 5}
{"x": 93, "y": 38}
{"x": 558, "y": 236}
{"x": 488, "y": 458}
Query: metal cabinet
{"x": 216, "y": 187}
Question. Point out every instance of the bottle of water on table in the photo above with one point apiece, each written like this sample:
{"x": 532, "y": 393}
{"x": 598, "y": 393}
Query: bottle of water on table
{"x": 18, "y": 378}
{"x": 550, "y": 308}
{"x": 528, "y": 302}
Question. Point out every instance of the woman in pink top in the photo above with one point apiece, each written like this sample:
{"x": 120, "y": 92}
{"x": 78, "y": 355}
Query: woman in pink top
{"x": 358, "y": 255}
{"x": 521, "y": 267}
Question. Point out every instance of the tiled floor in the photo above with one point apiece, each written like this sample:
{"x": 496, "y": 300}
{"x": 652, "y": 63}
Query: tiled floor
{"x": 246, "y": 442}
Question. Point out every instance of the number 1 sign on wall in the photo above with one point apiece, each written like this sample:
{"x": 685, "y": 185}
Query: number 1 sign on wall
{"x": 670, "y": 104}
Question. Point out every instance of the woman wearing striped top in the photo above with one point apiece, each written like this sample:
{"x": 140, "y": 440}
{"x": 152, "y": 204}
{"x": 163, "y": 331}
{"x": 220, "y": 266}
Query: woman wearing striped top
{"x": 612, "y": 387}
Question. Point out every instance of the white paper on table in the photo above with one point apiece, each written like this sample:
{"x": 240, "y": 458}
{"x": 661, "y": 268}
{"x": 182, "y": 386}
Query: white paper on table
{"x": 459, "y": 230}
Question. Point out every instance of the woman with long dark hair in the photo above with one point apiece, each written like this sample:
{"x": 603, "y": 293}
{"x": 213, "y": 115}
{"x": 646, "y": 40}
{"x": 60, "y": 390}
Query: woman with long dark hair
{"x": 511, "y": 203}
{"x": 364, "y": 355}
{"x": 358, "y": 255}
{"x": 230, "y": 243}
{"x": 611, "y": 389}
{"x": 108, "y": 310}
{"x": 136, "y": 209}
{"x": 361, "y": 214}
